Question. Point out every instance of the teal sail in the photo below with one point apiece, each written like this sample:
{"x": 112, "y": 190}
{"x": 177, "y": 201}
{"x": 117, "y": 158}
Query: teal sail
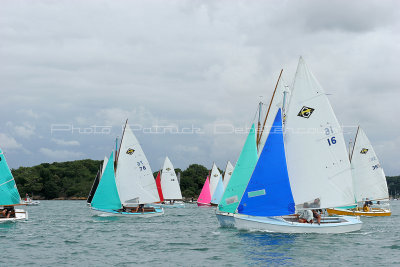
{"x": 9, "y": 194}
{"x": 219, "y": 191}
{"x": 241, "y": 175}
{"x": 106, "y": 196}
{"x": 268, "y": 192}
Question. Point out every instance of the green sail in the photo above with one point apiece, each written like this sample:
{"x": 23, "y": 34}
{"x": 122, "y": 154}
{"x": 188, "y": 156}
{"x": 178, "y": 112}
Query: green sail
{"x": 241, "y": 175}
{"x": 106, "y": 196}
{"x": 9, "y": 194}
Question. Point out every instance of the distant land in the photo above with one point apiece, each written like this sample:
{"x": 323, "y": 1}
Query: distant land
{"x": 73, "y": 180}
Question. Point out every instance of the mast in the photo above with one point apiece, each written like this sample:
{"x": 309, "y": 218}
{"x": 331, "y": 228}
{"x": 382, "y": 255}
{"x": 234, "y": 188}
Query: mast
{"x": 355, "y": 139}
{"x": 269, "y": 107}
{"x": 117, "y": 155}
{"x": 259, "y": 121}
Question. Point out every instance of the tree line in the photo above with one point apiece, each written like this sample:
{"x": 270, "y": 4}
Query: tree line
{"x": 73, "y": 179}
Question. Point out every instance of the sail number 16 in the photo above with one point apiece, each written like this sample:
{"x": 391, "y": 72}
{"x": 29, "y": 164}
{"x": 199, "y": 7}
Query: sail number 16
{"x": 331, "y": 141}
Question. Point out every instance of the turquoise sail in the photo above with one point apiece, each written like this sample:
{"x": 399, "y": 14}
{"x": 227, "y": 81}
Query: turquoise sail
{"x": 268, "y": 192}
{"x": 9, "y": 194}
{"x": 241, "y": 175}
{"x": 106, "y": 196}
{"x": 219, "y": 191}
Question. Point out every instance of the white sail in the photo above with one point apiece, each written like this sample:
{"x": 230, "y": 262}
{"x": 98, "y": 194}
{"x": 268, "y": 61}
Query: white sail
{"x": 134, "y": 178}
{"x": 104, "y": 165}
{"x": 228, "y": 173}
{"x": 214, "y": 178}
{"x": 368, "y": 176}
{"x": 280, "y": 100}
{"x": 318, "y": 165}
{"x": 169, "y": 182}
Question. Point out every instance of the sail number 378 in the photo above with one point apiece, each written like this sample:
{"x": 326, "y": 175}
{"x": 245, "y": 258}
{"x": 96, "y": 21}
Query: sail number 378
{"x": 141, "y": 165}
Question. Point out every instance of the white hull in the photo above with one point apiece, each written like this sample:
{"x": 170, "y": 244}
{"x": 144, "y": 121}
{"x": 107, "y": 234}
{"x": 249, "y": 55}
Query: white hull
{"x": 329, "y": 225}
{"x": 174, "y": 205}
{"x": 19, "y": 215}
{"x": 31, "y": 203}
{"x": 158, "y": 212}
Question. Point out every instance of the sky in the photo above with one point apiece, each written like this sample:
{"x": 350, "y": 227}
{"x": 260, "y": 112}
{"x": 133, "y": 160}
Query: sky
{"x": 188, "y": 74}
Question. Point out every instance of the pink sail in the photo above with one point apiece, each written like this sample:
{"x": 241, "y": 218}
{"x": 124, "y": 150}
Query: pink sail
{"x": 205, "y": 195}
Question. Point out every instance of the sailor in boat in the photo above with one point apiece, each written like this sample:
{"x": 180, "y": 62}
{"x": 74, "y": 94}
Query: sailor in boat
{"x": 305, "y": 216}
{"x": 8, "y": 211}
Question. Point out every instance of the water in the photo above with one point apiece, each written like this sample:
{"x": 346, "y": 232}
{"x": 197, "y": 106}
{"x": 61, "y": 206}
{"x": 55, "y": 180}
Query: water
{"x": 65, "y": 233}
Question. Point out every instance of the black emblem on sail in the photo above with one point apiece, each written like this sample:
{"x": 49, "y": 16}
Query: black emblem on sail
{"x": 130, "y": 151}
{"x": 215, "y": 175}
{"x": 364, "y": 151}
{"x": 168, "y": 169}
{"x": 305, "y": 112}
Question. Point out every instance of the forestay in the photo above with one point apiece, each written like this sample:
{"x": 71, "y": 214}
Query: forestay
{"x": 169, "y": 182}
{"x": 9, "y": 194}
{"x": 241, "y": 174}
{"x": 318, "y": 165}
{"x": 268, "y": 192}
{"x": 134, "y": 177}
{"x": 368, "y": 175}
{"x": 228, "y": 173}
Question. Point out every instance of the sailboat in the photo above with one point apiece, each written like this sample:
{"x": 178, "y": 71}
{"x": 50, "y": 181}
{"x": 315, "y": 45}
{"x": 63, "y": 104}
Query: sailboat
{"x": 204, "y": 198}
{"x": 303, "y": 170}
{"x": 369, "y": 180}
{"x": 228, "y": 173}
{"x": 132, "y": 182}
{"x": 9, "y": 195}
{"x": 171, "y": 192}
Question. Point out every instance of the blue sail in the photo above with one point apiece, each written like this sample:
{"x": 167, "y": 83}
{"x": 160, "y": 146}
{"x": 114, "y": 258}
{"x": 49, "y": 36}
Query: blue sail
{"x": 268, "y": 192}
{"x": 219, "y": 191}
{"x": 106, "y": 196}
{"x": 9, "y": 194}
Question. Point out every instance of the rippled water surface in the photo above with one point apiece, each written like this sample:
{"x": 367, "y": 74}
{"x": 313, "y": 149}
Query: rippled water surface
{"x": 66, "y": 233}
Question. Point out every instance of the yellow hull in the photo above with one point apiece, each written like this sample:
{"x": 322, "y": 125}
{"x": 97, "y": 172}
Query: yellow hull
{"x": 355, "y": 212}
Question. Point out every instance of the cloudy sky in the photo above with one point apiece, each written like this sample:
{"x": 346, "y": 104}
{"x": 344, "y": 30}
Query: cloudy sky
{"x": 71, "y": 72}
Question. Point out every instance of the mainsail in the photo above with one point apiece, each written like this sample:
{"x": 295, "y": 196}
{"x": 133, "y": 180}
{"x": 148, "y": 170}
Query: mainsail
{"x": 169, "y": 182}
{"x": 214, "y": 178}
{"x": 228, "y": 173}
{"x": 106, "y": 196}
{"x": 369, "y": 178}
{"x": 9, "y": 194}
{"x": 134, "y": 177}
{"x": 241, "y": 174}
{"x": 268, "y": 192}
{"x": 318, "y": 165}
